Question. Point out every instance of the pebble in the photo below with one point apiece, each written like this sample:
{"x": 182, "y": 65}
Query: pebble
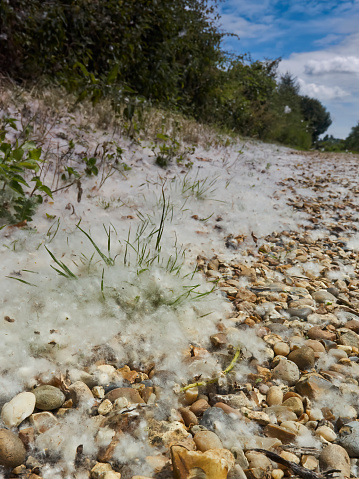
{"x": 334, "y": 456}
{"x": 48, "y": 397}
{"x": 81, "y": 394}
{"x": 286, "y": 371}
{"x": 295, "y": 404}
{"x": 105, "y": 407}
{"x": 19, "y": 408}
{"x": 274, "y": 396}
{"x": 326, "y": 433}
{"x": 12, "y": 450}
{"x": 303, "y": 357}
{"x": 281, "y": 348}
{"x": 323, "y": 296}
{"x": 206, "y": 440}
{"x": 349, "y": 438}
{"x": 198, "y": 407}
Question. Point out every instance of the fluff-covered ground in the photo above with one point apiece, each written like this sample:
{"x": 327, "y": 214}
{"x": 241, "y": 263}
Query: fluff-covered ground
{"x": 142, "y": 297}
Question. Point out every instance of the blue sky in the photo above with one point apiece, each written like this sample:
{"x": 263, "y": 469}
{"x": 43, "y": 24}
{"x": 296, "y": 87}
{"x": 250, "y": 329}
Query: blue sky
{"x": 318, "y": 42}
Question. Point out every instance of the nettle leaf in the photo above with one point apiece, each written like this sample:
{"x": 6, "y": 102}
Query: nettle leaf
{"x": 46, "y": 190}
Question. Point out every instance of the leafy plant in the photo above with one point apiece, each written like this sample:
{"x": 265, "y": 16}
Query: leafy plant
{"x": 16, "y": 162}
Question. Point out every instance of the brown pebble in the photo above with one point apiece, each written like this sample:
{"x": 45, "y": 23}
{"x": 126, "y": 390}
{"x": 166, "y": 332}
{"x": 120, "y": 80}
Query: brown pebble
{"x": 228, "y": 409}
{"x": 318, "y": 333}
{"x": 188, "y": 416}
{"x": 199, "y": 407}
{"x": 206, "y": 440}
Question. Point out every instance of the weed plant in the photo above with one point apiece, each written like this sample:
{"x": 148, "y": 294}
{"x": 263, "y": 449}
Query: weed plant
{"x": 16, "y": 162}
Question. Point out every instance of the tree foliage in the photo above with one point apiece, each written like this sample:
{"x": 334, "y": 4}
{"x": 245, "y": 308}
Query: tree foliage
{"x": 352, "y": 140}
{"x": 161, "y": 52}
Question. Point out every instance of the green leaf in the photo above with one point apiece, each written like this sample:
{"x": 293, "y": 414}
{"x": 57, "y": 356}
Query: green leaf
{"x": 30, "y": 165}
{"x": 17, "y": 153}
{"x": 14, "y": 185}
{"x": 112, "y": 76}
{"x": 35, "y": 154}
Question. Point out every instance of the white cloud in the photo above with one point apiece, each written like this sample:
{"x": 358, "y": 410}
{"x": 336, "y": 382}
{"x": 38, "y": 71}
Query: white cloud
{"x": 322, "y": 92}
{"x": 338, "y": 64}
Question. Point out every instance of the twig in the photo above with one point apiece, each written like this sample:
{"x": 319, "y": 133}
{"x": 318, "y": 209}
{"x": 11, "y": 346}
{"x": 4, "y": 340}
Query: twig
{"x": 212, "y": 381}
{"x": 299, "y": 470}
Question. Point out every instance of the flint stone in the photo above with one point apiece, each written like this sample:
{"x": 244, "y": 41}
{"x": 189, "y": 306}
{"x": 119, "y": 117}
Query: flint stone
{"x": 313, "y": 386}
{"x": 12, "y": 450}
{"x": 284, "y": 435}
{"x": 323, "y": 296}
{"x": 287, "y": 371}
{"x": 215, "y": 463}
{"x": 349, "y": 438}
{"x": 48, "y": 397}
{"x": 19, "y": 408}
{"x": 303, "y": 357}
{"x": 334, "y": 456}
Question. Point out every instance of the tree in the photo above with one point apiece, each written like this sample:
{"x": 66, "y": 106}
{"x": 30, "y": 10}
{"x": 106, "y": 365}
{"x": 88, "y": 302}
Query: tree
{"x": 316, "y": 115}
{"x": 352, "y": 140}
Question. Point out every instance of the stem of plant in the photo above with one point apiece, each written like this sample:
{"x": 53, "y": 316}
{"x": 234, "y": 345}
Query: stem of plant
{"x": 212, "y": 381}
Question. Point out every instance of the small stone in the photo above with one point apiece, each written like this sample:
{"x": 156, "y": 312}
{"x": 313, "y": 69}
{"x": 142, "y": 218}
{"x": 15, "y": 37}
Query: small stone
{"x": 349, "y": 339}
{"x": 198, "y": 407}
{"x": 206, "y": 440}
{"x": 99, "y": 470}
{"x": 228, "y": 409}
{"x": 12, "y": 450}
{"x": 334, "y": 456}
{"x": 303, "y": 357}
{"x": 214, "y": 463}
{"x": 260, "y": 417}
{"x": 257, "y": 459}
{"x": 130, "y": 394}
{"x": 19, "y": 408}
{"x": 286, "y": 371}
{"x": 43, "y": 421}
{"x": 239, "y": 457}
{"x": 277, "y": 473}
{"x": 105, "y": 407}
{"x": 326, "y": 433}
{"x": 313, "y": 386}
{"x": 289, "y": 456}
{"x": 27, "y": 436}
{"x": 323, "y": 296}
{"x": 274, "y": 396}
{"x": 284, "y": 435}
{"x": 188, "y": 416}
{"x": 281, "y": 348}
{"x": 317, "y": 332}
{"x": 281, "y": 413}
{"x": 120, "y": 403}
{"x": 218, "y": 340}
{"x": 81, "y": 394}
{"x": 315, "y": 345}
{"x": 353, "y": 324}
{"x": 98, "y": 392}
{"x": 48, "y": 397}
{"x": 295, "y": 404}
{"x": 191, "y": 395}
{"x": 301, "y": 313}
{"x": 349, "y": 438}
{"x": 310, "y": 462}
